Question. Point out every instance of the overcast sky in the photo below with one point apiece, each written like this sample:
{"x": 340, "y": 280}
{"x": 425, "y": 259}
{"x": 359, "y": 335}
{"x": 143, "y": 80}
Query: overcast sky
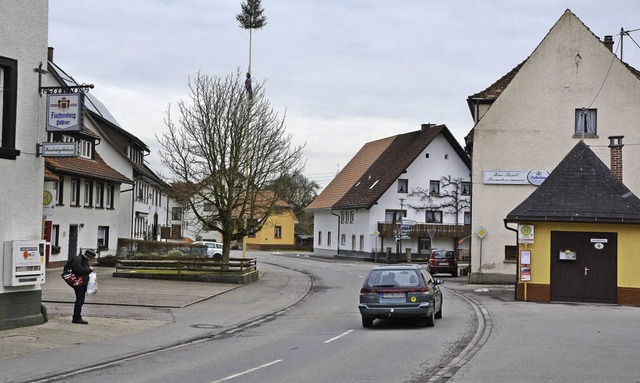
{"x": 345, "y": 72}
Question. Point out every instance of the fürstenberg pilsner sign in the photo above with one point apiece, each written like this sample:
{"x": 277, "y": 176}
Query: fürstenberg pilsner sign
{"x": 64, "y": 112}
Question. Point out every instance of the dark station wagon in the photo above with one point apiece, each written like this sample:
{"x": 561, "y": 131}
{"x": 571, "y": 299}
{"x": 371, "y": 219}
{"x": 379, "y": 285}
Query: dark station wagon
{"x": 400, "y": 291}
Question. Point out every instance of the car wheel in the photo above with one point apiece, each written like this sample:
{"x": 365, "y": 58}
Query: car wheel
{"x": 439, "y": 313}
{"x": 429, "y": 321}
{"x": 367, "y": 322}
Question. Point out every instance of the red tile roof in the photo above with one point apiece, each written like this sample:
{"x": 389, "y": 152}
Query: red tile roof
{"x": 83, "y": 167}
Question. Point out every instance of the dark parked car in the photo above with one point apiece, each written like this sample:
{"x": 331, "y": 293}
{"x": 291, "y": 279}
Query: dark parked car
{"x": 400, "y": 291}
{"x": 443, "y": 261}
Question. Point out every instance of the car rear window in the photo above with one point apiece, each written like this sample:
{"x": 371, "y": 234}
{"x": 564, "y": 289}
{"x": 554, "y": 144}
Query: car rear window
{"x": 394, "y": 278}
{"x": 443, "y": 254}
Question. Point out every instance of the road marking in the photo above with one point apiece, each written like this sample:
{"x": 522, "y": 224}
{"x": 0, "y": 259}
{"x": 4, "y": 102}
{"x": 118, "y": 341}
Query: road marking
{"x": 248, "y": 371}
{"x": 338, "y": 337}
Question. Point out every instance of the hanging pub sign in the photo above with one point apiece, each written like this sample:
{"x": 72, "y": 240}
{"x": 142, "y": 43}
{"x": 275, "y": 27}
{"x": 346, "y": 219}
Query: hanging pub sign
{"x": 64, "y": 112}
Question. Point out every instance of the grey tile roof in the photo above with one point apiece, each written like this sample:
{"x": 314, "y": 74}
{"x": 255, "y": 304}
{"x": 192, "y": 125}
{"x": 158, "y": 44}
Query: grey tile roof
{"x": 580, "y": 189}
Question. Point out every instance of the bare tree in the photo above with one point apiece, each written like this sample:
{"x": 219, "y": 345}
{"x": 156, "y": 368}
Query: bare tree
{"x": 225, "y": 149}
{"x": 450, "y": 198}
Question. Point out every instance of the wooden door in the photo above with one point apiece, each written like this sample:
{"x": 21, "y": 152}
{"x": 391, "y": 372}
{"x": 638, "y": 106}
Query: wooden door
{"x": 592, "y": 275}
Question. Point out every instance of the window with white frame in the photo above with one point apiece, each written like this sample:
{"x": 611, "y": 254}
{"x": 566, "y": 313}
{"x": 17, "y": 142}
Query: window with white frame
{"x": 88, "y": 193}
{"x": 59, "y": 188}
{"x": 99, "y": 195}
{"x": 176, "y": 213}
{"x": 403, "y": 186}
{"x": 361, "y": 242}
{"x": 86, "y": 149}
{"x": 109, "y": 197}
{"x": 465, "y": 188}
{"x": 434, "y": 187}
{"x": 393, "y": 216}
{"x": 586, "y": 122}
{"x": 433, "y": 216}
{"x": 55, "y": 235}
{"x": 75, "y": 192}
{"x": 103, "y": 237}
{"x": 353, "y": 242}
{"x": 343, "y": 239}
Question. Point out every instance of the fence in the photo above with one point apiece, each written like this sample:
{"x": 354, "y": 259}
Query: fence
{"x": 190, "y": 265}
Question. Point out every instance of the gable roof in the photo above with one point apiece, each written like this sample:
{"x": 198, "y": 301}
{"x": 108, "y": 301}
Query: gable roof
{"x": 494, "y": 91}
{"x": 84, "y": 167}
{"x": 343, "y": 181}
{"x": 580, "y": 189}
{"x": 377, "y": 166}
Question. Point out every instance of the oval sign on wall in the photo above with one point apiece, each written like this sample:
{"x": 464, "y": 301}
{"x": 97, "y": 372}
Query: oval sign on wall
{"x": 537, "y": 177}
{"x": 598, "y": 245}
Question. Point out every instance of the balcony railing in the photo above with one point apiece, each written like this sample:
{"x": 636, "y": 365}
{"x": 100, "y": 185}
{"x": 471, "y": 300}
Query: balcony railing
{"x": 420, "y": 230}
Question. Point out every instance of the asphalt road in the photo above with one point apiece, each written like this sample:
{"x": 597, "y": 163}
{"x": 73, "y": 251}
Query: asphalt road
{"x": 319, "y": 340}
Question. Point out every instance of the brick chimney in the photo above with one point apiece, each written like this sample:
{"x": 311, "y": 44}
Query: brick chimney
{"x": 427, "y": 126}
{"x": 50, "y": 54}
{"x": 615, "y": 144}
{"x": 608, "y": 42}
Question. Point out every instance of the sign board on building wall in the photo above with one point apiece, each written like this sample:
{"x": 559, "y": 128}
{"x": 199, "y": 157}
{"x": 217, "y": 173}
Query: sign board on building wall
{"x": 525, "y": 233}
{"x": 514, "y": 177}
{"x": 60, "y": 149}
{"x": 64, "y": 112}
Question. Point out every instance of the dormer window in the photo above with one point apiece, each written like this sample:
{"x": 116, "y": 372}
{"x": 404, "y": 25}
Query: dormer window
{"x": 86, "y": 149}
{"x": 134, "y": 154}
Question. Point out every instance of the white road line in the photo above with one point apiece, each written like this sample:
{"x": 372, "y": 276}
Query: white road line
{"x": 247, "y": 371}
{"x": 338, "y": 337}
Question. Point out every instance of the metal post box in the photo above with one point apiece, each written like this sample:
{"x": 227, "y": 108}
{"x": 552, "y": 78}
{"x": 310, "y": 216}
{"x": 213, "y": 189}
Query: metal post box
{"x": 24, "y": 263}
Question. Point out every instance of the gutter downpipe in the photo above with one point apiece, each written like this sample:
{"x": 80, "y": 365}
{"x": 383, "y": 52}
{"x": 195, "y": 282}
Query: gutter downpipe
{"x": 515, "y": 298}
{"x": 338, "y": 237}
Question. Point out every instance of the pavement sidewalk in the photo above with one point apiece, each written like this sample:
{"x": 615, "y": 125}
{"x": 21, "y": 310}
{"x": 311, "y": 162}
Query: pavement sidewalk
{"x": 129, "y": 316}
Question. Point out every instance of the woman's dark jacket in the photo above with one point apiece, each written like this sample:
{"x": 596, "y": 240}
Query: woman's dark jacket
{"x": 81, "y": 268}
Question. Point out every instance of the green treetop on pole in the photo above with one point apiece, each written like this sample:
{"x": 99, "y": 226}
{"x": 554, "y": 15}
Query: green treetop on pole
{"x": 251, "y": 18}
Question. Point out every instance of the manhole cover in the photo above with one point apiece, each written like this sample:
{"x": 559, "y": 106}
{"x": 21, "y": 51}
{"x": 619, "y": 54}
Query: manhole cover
{"x": 23, "y": 338}
{"x": 205, "y": 325}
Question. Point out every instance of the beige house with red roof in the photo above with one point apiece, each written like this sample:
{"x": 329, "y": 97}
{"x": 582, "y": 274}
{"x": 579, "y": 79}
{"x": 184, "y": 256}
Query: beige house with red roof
{"x": 571, "y": 88}
{"x": 397, "y": 194}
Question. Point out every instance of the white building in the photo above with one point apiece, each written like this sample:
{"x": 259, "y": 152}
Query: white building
{"x": 23, "y": 50}
{"x": 402, "y": 180}
{"x": 141, "y": 207}
{"x": 572, "y": 87}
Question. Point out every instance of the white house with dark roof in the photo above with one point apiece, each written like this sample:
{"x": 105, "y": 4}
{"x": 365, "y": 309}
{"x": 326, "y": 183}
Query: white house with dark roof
{"x": 419, "y": 180}
{"x": 572, "y": 87}
{"x": 143, "y": 206}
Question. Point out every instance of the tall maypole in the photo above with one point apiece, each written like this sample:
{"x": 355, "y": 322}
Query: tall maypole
{"x": 251, "y": 17}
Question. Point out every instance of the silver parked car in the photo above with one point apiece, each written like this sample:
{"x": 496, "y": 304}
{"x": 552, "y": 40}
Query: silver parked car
{"x": 400, "y": 291}
{"x": 214, "y": 249}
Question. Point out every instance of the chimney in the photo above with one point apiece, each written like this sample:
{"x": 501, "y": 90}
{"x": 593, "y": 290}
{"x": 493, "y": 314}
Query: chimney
{"x": 50, "y": 54}
{"x": 615, "y": 144}
{"x": 608, "y": 42}
{"x": 427, "y": 126}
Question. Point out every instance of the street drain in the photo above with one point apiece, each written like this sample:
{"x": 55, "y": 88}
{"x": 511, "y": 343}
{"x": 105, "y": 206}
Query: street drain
{"x": 206, "y": 326}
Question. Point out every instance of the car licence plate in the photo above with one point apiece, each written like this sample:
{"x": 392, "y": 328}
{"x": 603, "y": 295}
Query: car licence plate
{"x": 392, "y": 295}
{"x": 444, "y": 263}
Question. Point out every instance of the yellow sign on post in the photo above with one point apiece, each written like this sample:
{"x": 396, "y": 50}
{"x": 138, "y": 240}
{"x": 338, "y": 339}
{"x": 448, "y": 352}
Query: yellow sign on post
{"x": 525, "y": 233}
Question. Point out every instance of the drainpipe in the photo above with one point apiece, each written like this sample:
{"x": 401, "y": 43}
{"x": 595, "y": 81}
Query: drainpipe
{"x": 338, "y": 237}
{"x": 515, "y": 298}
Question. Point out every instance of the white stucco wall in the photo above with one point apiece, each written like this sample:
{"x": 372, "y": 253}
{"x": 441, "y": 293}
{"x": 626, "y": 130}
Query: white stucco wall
{"x": 23, "y": 37}
{"x": 419, "y": 174}
{"x": 532, "y": 123}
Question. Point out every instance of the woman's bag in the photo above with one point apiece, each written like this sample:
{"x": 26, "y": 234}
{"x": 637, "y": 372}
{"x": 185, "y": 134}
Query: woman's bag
{"x": 69, "y": 277}
{"x": 92, "y": 287}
